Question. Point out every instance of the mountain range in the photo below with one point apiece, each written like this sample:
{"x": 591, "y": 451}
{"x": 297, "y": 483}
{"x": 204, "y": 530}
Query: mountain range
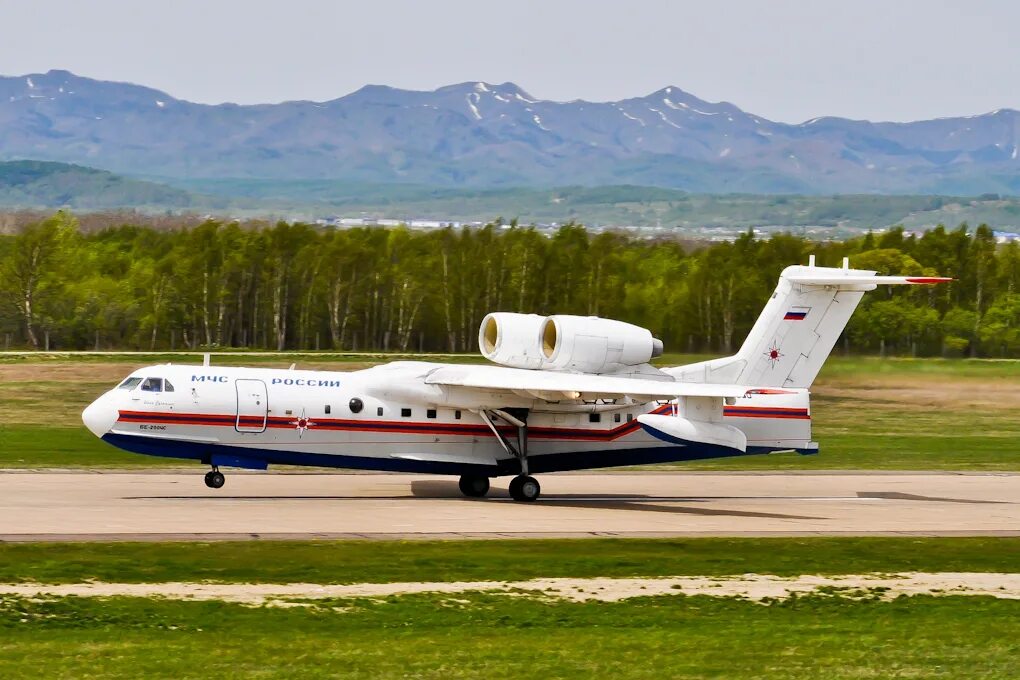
{"x": 481, "y": 135}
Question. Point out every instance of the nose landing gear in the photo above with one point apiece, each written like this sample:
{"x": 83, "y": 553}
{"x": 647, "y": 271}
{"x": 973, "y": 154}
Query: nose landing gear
{"x": 214, "y": 479}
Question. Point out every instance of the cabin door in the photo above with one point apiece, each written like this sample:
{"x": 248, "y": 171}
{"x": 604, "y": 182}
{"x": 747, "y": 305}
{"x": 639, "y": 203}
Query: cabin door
{"x": 252, "y": 405}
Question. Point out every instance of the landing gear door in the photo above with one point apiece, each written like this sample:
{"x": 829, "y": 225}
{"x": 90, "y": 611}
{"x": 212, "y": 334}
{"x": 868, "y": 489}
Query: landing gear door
{"x": 252, "y": 405}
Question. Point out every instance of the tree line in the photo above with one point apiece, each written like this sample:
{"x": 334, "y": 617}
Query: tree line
{"x": 300, "y": 286}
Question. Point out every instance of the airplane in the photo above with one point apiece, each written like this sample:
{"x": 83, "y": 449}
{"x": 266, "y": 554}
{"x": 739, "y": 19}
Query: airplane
{"x": 562, "y": 392}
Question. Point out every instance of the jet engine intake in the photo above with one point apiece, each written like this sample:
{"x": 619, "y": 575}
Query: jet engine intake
{"x": 589, "y": 344}
{"x": 511, "y": 339}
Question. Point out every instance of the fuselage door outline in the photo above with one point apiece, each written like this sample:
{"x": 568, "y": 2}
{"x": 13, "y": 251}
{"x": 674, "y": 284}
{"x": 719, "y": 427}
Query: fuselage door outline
{"x": 252, "y": 405}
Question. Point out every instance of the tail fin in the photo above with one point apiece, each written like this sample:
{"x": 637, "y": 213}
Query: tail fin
{"x": 797, "y": 329}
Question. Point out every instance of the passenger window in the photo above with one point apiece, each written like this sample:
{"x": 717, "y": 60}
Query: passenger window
{"x": 129, "y": 384}
{"x": 594, "y": 417}
{"x": 616, "y": 417}
{"x": 152, "y": 385}
{"x": 327, "y": 409}
{"x": 356, "y": 405}
{"x": 167, "y": 387}
{"x": 379, "y": 411}
{"x": 431, "y": 413}
{"x": 456, "y": 415}
{"x": 630, "y": 417}
{"x": 405, "y": 413}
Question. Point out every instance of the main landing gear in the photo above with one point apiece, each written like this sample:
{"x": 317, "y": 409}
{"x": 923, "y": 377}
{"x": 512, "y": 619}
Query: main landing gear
{"x": 214, "y": 479}
{"x": 523, "y": 487}
{"x": 474, "y": 486}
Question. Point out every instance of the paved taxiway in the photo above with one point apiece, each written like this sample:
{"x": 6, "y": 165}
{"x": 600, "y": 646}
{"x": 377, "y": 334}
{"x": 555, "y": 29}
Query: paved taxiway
{"x": 177, "y": 506}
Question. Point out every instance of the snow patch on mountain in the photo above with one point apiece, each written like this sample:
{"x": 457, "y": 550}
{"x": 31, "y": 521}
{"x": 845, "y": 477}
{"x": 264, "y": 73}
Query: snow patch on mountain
{"x": 471, "y": 104}
{"x": 680, "y": 106}
{"x": 667, "y": 120}
{"x": 635, "y": 118}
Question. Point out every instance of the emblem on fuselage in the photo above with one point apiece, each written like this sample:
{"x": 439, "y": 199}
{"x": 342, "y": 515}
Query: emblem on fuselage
{"x": 302, "y": 424}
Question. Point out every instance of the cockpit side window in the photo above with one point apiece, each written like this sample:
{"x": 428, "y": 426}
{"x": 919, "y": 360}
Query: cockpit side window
{"x": 129, "y": 384}
{"x": 168, "y": 386}
{"x": 152, "y": 385}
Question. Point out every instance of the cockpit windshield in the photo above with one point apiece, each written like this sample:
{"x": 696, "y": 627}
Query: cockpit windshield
{"x": 148, "y": 384}
{"x": 152, "y": 385}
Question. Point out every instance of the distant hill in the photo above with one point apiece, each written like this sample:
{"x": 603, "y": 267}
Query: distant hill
{"x": 480, "y": 135}
{"x": 38, "y": 184}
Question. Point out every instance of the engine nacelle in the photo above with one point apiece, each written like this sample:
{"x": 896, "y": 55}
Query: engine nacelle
{"x": 512, "y": 339}
{"x": 592, "y": 345}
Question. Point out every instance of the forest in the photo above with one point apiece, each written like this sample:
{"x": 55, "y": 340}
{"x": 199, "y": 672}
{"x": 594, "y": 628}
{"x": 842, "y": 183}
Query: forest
{"x": 300, "y": 286}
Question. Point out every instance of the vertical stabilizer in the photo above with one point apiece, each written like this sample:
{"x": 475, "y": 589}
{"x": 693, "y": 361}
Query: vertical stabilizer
{"x": 798, "y": 328}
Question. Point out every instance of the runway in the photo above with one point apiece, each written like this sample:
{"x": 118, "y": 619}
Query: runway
{"x": 114, "y": 505}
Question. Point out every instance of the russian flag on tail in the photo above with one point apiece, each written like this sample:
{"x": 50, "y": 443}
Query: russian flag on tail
{"x": 797, "y": 313}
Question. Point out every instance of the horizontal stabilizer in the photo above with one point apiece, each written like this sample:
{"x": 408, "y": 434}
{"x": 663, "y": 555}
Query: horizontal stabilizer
{"x": 856, "y": 280}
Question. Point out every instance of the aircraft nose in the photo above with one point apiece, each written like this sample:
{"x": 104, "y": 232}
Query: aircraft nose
{"x": 99, "y": 417}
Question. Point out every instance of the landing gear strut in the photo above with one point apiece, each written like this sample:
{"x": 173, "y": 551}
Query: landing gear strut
{"x": 214, "y": 479}
{"x": 523, "y": 487}
{"x": 474, "y": 486}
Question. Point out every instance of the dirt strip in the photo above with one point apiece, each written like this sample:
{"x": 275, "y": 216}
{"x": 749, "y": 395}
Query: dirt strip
{"x": 754, "y": 587}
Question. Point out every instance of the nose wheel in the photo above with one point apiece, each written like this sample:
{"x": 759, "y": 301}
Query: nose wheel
{"x": 525, "y": 488}
{"x": 214, "y": 479}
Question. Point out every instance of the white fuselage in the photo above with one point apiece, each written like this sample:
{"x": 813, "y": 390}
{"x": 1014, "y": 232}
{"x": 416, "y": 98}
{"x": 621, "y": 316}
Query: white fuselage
{"x": 389, "y": 418}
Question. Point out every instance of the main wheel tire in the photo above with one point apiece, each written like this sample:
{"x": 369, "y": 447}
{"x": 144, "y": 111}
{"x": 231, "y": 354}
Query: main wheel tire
{"x": 215, "y": 479}
{"x": 474, "y": 486}
{"x": 525, "y": 489}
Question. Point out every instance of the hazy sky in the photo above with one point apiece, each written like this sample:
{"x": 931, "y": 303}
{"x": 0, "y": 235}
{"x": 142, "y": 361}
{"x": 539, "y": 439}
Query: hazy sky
{"x": 787, "y": 60}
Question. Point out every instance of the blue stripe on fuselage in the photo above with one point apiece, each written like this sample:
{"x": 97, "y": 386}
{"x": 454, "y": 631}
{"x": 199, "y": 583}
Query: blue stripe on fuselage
{"x": 551, "y": 462}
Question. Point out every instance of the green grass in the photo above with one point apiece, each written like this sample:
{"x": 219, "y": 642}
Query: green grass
{"x": 487, "y": 635}
{"x": 477, "y": 634}
{"x": 37, "y": 446}
{"x": 392, "y": 561}
{"x": 864, "y": 366}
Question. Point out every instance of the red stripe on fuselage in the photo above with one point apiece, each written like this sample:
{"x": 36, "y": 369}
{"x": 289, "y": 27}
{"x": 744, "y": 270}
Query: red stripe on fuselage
{"x": 426, "y": 428}
{"x": 766, "y": 412}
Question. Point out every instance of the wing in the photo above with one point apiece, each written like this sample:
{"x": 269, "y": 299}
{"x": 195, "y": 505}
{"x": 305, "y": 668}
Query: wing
{"x": 558, "y": 386}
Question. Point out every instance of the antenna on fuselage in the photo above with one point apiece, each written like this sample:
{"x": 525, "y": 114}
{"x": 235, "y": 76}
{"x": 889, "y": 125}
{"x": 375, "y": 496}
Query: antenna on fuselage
{"x": 292, "y": 366}
{"x": 205, "y": 359}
